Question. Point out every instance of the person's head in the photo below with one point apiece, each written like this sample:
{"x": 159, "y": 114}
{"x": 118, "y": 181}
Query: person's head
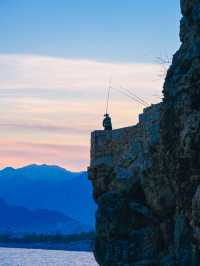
{"x": 106, "y": 115}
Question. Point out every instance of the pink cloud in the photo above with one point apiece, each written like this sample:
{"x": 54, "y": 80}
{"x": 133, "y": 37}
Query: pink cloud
{"x": 74, "y": 157}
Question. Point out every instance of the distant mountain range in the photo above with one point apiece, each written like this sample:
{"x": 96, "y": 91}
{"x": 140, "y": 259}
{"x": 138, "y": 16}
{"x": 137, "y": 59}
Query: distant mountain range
{"x": 51, "y": 188}
{"x": 19, "y": 221}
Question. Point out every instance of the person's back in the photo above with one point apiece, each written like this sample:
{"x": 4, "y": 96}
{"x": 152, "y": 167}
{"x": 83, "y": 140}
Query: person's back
{"x": 107, "y": 124}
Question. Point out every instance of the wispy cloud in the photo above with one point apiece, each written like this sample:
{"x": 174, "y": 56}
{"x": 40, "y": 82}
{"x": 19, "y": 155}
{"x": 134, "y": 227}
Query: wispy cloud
{"x": 20, "y": 153}
{"x": 43, "y": 127}
{"x": 49, "y": 100}
{"x": 30, "y": 71}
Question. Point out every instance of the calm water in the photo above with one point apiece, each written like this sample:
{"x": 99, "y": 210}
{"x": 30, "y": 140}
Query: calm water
{"x": 38, "y": 257}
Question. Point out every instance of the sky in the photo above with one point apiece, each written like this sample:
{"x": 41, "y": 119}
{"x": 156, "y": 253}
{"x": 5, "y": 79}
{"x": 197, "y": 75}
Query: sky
{"x": 56, "y": 60}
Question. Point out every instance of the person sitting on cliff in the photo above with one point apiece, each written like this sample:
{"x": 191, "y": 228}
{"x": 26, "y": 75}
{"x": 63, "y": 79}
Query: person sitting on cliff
{"x": 107, "y": 123}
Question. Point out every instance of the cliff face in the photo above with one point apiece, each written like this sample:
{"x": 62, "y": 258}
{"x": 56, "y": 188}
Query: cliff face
{"x": 146, "y": 178}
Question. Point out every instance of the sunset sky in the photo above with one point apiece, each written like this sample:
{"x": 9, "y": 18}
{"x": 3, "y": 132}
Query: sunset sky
{"x": 56, "y": 58}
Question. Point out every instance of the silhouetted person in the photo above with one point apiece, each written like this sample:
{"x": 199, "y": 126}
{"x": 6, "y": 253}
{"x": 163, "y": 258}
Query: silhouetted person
{"x": 107, "y": 124}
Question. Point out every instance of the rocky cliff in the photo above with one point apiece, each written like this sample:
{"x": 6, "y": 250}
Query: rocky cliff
{"x": 146, "y": 178}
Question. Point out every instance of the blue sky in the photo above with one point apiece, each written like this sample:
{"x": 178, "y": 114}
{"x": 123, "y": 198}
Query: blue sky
{"x": 56, "y": 57}
{"x": 113, "y": 30}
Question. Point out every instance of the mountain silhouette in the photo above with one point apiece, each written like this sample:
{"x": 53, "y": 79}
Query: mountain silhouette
{"x": 49, "y": 187}
{"x": 19, "y": 220}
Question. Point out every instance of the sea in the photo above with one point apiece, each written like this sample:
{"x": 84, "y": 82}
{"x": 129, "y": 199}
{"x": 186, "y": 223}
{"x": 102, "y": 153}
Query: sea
{"x": 40, "y": 257}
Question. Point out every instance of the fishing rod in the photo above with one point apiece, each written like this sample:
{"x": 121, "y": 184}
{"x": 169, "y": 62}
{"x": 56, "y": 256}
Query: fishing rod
{"x": 108, "y": 96}
{"x": 137, "y": 97}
